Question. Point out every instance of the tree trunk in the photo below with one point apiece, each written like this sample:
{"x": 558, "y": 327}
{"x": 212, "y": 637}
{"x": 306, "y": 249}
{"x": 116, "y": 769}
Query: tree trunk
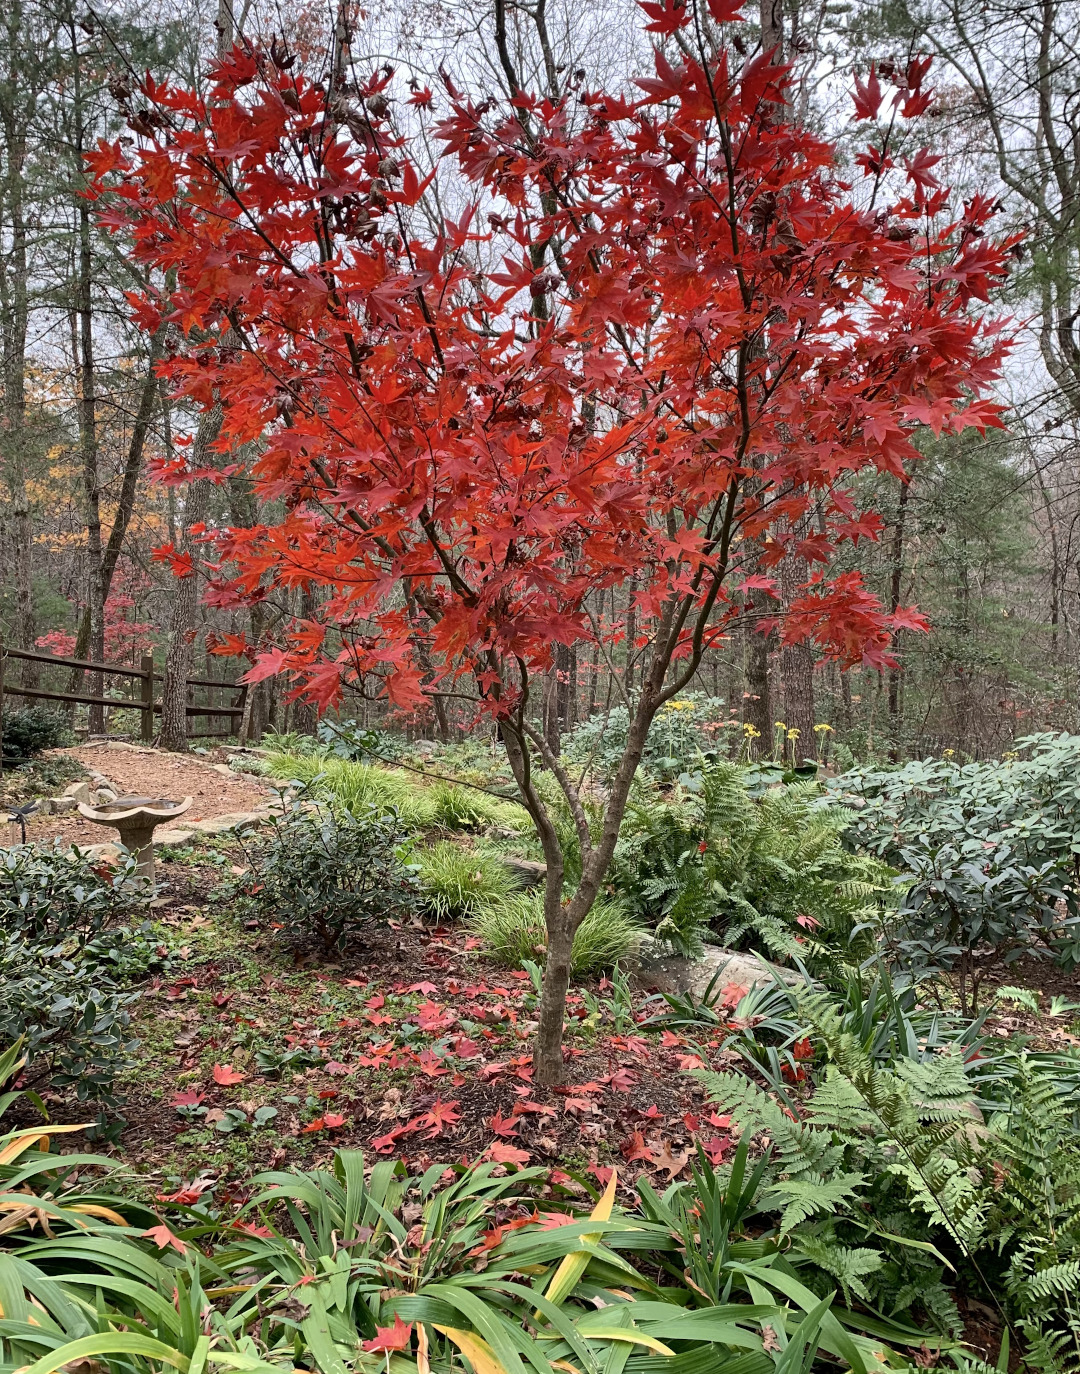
{"x": 797, "y": 672}
{"x": 895, "y": 590}
{"x": 180, "y": 655}
{"x": 15, "y": 303}
{"x": 757, "y": 709}
{"x": 304, "y": 716}
{"x": 88, "y": 437}
{"x": 126, "y": 505}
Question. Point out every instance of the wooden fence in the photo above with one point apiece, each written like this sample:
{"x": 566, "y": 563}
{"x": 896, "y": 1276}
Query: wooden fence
{"x": 142, "y": 699}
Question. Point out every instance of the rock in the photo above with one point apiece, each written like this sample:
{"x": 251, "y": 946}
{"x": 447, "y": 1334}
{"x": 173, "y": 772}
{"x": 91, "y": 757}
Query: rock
{"x": 103, "y": 796}
{"x": 424, "y": 747}
{"x": 78, "y": 791}
{"x": 653, "y": 967}
{"x": 176, "y": 838}
{"x": 54, "y": 805}
{"x": 224, "y": 769}
{"x": 525, "y": 872}
{"x": 223, "y": 825}
{"x": 107, "y": 853}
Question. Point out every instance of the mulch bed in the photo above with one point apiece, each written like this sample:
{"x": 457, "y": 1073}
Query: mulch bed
{"x": 422, "y": 1051}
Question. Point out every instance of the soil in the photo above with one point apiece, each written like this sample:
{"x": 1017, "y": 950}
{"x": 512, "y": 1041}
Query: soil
{"x": 144, "y": 772}
{"x": 413, "y": 1047}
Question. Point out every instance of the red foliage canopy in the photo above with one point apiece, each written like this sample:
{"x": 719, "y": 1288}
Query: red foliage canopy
{"x": 654, "y": 334}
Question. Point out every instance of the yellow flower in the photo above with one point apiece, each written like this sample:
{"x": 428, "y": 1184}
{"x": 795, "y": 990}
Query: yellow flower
{"x": 750, "y": 732}
{"x": 947, "y": 753}
{"x": 793, "y": 733}
{"x": 822, "y": 729}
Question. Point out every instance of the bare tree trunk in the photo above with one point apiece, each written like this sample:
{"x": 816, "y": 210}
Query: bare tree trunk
{"x": 182, "y": 628}
{"x": 757, "y": 709}
{"x": 896, "y": 580}
{"x": 126, "y": 504}
{"x": 88, "y": 438}
{"x": 797, "y": 672}
{"x": 15, "y": 306}
{"x": 180, "y": 655}
{"x": 304, "y": 716}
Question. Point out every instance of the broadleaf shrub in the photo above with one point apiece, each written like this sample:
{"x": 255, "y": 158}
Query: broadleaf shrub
{"x": 70, "y": 1011}
{"x": 32, "y": 730}
{"x": 993, "y": 850}
{"x": 66, "y": 965}
{"x": 59, "y": 894}
{"x": 681, "y": 730}
{"x": 326, "y": 873}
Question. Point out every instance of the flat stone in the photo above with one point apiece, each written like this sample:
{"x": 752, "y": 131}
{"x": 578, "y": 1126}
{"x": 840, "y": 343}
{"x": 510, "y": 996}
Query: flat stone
{"x": 527, "y": 872}
{"x": 672, "y": 973}
{"x": 54, "y": 805}
{"x": 224, "y": 769}
{"x": 176, "y": 838}
{"x": 222, "y": 825}
{"x": 110, "y": 853}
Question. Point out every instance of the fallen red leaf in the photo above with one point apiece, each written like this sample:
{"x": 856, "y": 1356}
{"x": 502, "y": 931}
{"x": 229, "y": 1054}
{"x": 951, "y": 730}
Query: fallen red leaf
{"x": 163, "y": 1238}
{"x": 635, "y": 1148}
{"x": 503, "y": 1125}
{"x": 501, "y": 1153}
{"x": 387, "y": 1338}
{"x": 227, "y": 1076}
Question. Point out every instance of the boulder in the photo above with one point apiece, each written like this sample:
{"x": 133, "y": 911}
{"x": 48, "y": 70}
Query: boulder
{"x": 78, "y": 792}
{"x": 107, "y": 853}
{"x": 176, "y": 838}
{"x": 223, "y": 825}
{"x": 652, "y": 966}
{"x": 525, "y": 872}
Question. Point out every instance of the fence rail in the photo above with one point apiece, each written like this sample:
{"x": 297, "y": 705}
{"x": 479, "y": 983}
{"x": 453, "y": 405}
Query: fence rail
{"x": 144, "y": 703}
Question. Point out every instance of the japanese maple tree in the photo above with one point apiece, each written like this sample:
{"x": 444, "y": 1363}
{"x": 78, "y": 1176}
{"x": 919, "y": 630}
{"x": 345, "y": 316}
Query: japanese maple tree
{"x": 657, "y": 332}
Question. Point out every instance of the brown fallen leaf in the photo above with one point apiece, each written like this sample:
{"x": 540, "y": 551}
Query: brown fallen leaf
{"x": 671, "y": 1164}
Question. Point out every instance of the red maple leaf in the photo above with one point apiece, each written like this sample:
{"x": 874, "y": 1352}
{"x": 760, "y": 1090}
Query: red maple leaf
{"x": 505, "y": 1126}
{"x": 226, "y": 1075}
{"x": 388, "y": 1338}
{"x": 635, "y": 1148}
{"x": 163, "y": 1238}
{"x": 439, "y": 1115}
{"x": 502, "y": 1153}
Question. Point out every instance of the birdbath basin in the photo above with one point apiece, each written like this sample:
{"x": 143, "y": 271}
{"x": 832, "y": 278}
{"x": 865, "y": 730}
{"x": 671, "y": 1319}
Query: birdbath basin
{"x": 135, "y": 819}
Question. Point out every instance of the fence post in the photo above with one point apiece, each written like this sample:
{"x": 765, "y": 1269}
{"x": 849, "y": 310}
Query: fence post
{"x": 148, "y": 699}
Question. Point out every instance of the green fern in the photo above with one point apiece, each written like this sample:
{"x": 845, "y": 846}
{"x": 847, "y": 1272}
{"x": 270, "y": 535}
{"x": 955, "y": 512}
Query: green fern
{"x": 771, "y": 873}
{"x": 802, "y": 1198}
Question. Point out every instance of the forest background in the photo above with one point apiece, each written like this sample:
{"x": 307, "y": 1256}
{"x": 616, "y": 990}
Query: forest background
{"x": 984, "y": 537}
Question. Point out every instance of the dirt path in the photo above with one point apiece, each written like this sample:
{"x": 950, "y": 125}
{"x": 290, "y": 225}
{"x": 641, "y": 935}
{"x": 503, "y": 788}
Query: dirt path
{"x": 153, "y": 773}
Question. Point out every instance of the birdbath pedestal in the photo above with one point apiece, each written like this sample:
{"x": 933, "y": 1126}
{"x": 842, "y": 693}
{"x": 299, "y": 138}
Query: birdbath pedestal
{"x": 135, "y": 818}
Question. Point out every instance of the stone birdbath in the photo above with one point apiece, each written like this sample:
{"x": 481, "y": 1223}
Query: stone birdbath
{"x": 135, "y": 819}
